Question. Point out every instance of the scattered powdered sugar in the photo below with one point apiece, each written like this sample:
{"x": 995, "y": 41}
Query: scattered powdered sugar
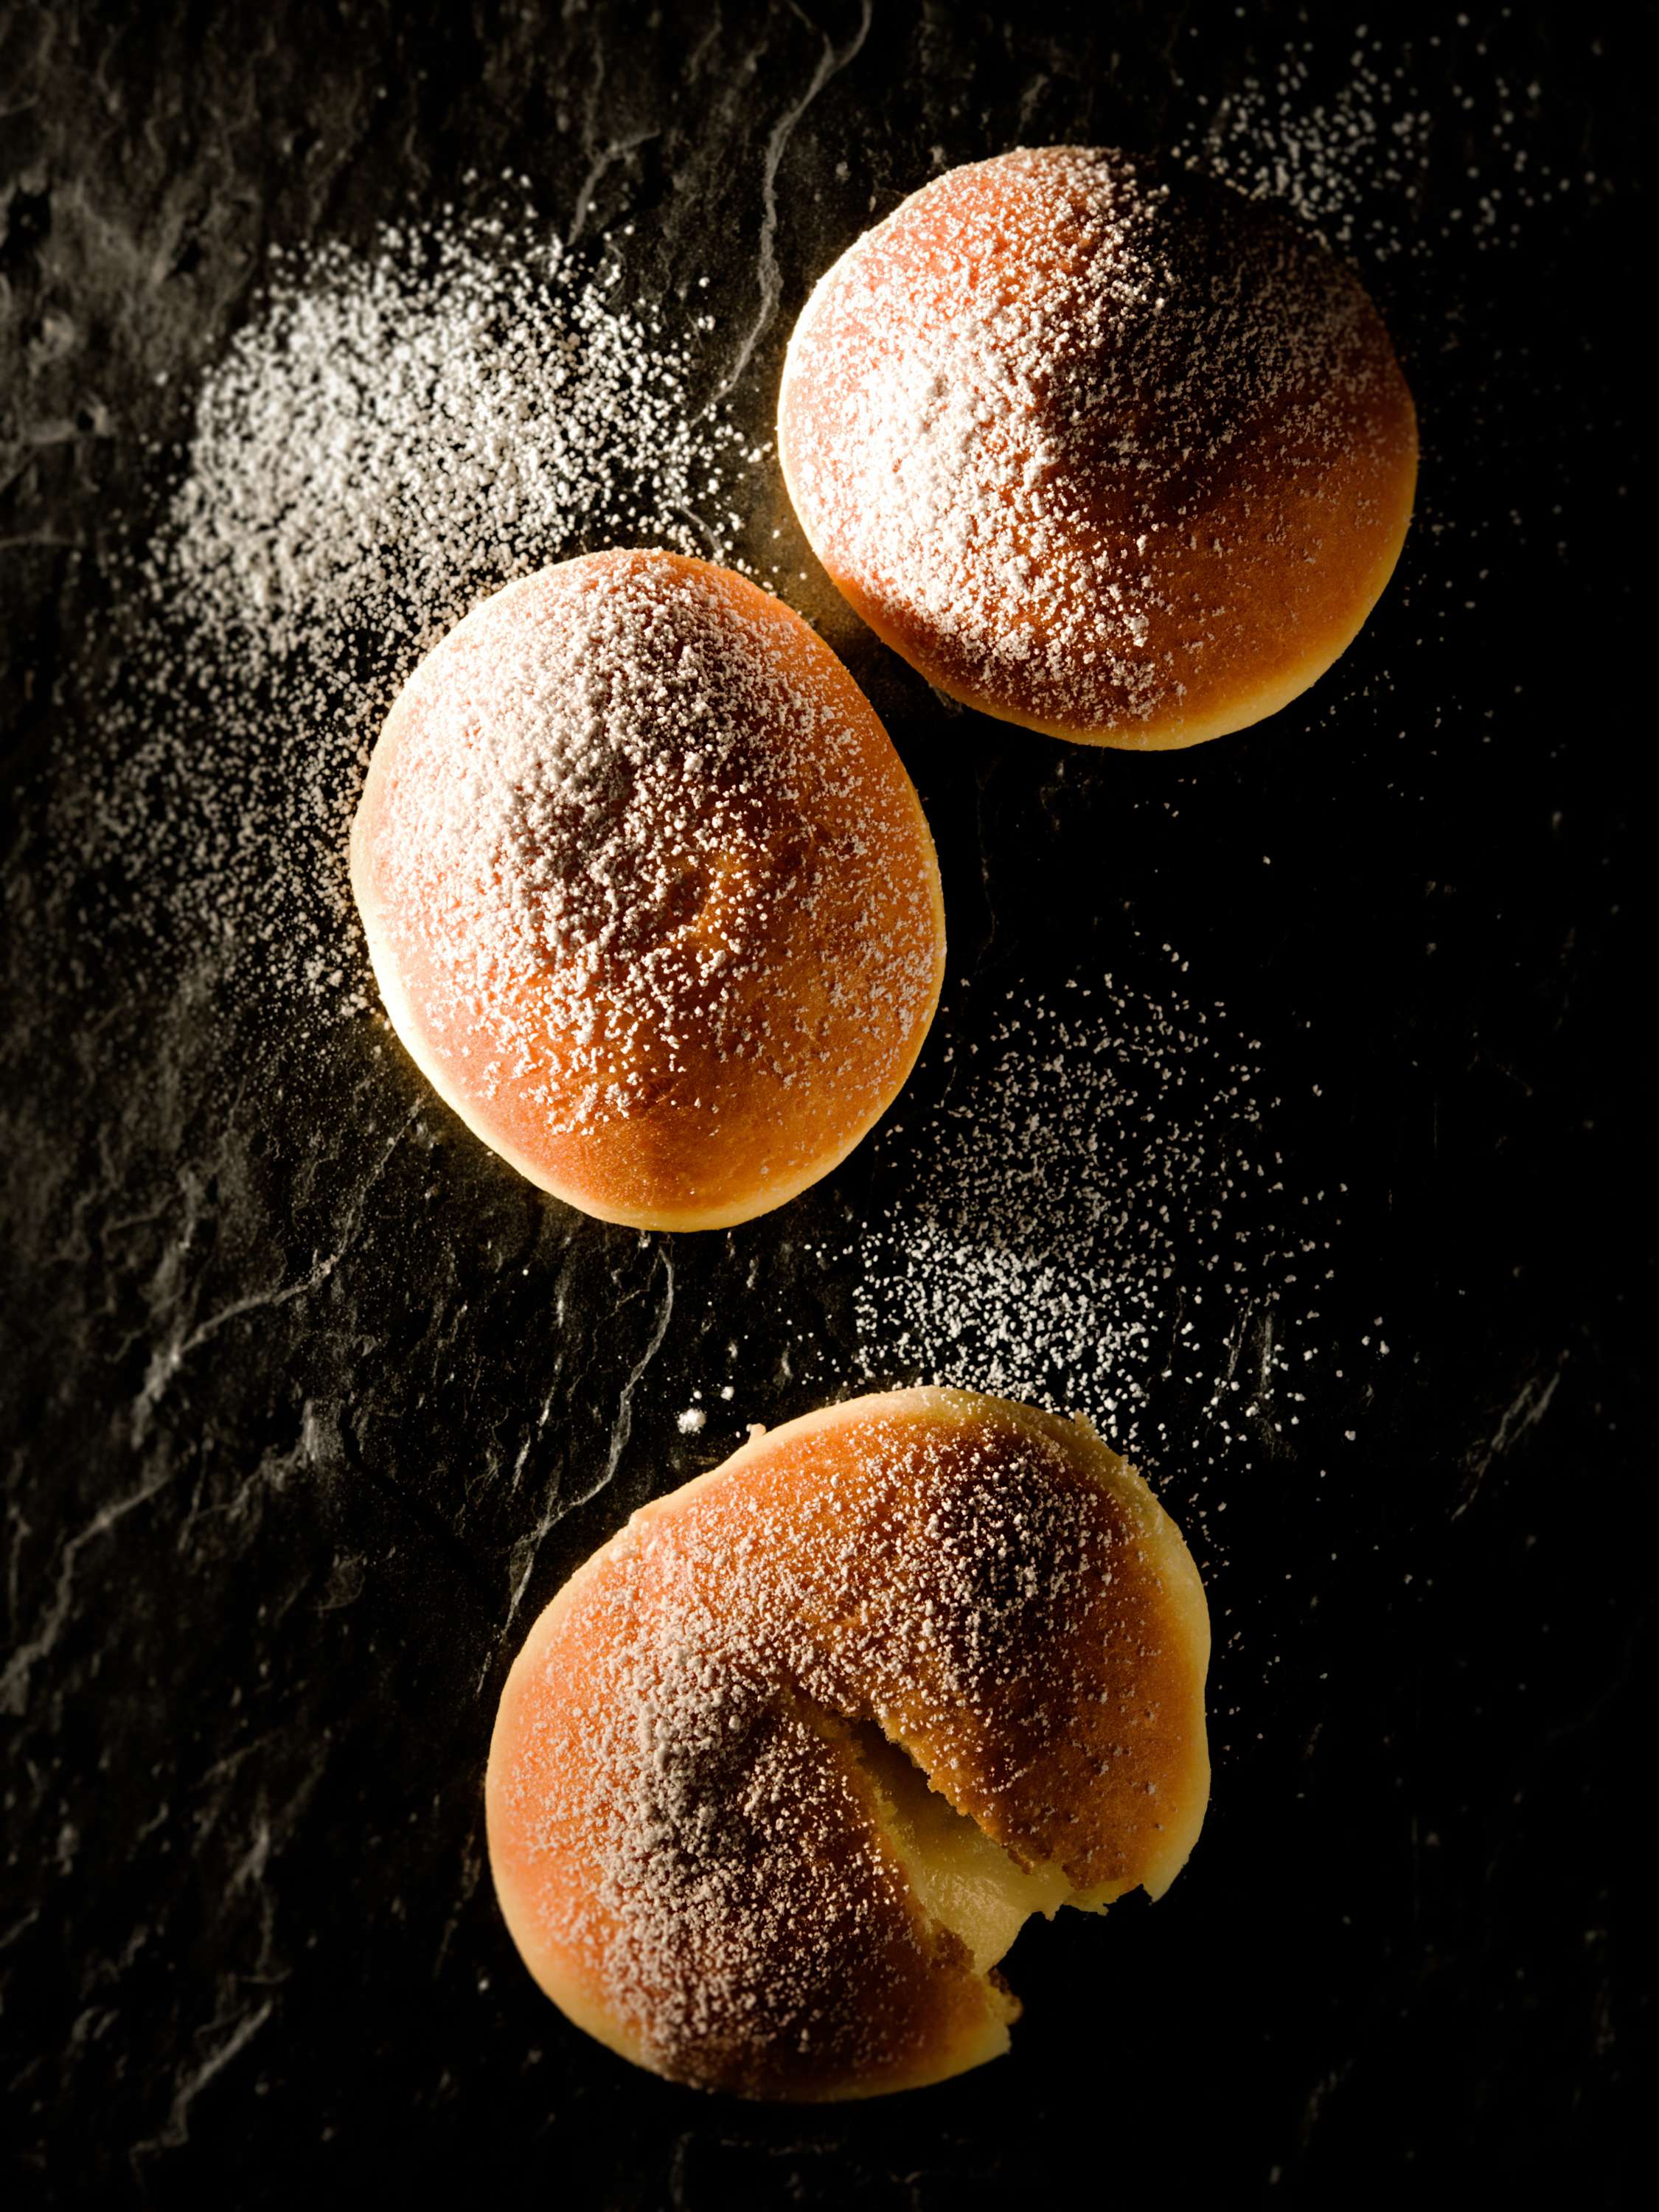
{"x": 1328, "y": 159}
{"x": 392, "y": 435}
{"x": 395, "y": 434}
{"x": 1029, "y": 415}
{"x": 1362, "y": 135}
{"x": 1097, "y": 1218}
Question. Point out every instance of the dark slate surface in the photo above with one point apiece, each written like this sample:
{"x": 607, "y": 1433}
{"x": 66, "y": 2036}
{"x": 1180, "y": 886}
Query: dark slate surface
{"x": 299, "y": 1384}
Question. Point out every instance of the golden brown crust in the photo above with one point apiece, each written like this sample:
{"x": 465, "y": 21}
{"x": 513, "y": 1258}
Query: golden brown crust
{"x": 1099, "y": 447}
{"x": 700, "y": 1860}
{"x": 649, "y": 896}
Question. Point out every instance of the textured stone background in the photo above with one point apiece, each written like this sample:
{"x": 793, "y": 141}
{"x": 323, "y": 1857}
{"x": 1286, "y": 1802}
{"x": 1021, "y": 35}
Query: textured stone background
{"x": 301, "y": 1386}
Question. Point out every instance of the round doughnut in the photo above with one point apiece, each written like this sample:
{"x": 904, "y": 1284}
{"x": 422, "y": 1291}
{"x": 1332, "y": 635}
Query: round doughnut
{"x": 649, "y": 896}
{"x": 781, "y": 1772}
{"x": 1100, "y": 446}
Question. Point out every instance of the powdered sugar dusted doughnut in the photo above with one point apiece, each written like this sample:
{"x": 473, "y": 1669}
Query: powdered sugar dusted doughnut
{"x": 649, "y": 895}
{"x": 1100, "y": 446}
{"x": 781, "y": 1772}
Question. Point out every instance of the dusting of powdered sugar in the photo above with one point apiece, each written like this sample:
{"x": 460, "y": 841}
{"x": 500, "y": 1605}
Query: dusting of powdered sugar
{"x": 1098, "y": 1216}
{"x": 612, "y": 802}
{"x": 397, "y": 432}
{"x": 686, "y": 1777}
{"x": 393, "y": 434}
{"x": 1384, "y": 146}
{"x": 702, "y": 1797}
{"x": 1006, "y": 408}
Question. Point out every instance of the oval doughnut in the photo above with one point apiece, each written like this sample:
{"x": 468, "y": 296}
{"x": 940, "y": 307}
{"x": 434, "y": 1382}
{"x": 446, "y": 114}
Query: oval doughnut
{"x": 1100, "y": 446}
{"x": 780, "y": 1773}
{"x": 649, "y": 896}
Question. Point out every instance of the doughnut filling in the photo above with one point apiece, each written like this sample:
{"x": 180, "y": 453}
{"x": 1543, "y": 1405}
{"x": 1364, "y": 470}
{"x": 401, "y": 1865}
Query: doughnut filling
{"x": 782, "y": 1770}
{"x": 1100, "y": 446}
{"x": 649, "y": 894}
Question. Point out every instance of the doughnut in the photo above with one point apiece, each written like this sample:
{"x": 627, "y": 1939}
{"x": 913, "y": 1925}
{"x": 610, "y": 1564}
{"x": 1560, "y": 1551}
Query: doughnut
{"x": 648, "y": 896}
{"x": 782, "y": 1770}
{"x": 1099, "y": 446}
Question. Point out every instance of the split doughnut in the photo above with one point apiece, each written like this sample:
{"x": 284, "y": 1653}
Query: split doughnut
{"x": 781, "y": 1772}
{"x": 649, "y": 896}
{"x": 1100, "y": 446}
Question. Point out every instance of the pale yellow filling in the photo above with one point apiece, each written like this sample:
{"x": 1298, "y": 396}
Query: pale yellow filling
{"x": 961, "y": 1878}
